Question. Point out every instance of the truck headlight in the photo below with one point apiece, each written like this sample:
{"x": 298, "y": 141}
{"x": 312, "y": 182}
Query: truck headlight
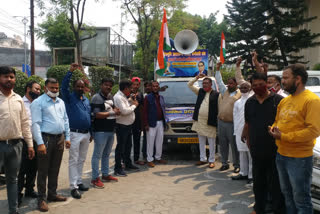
{"x": 316, "y": 161}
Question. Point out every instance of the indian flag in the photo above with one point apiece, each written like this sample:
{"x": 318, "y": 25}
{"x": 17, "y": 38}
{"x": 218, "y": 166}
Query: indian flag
{"x": 164, "y": 44}
{"x": 222, "y": 48}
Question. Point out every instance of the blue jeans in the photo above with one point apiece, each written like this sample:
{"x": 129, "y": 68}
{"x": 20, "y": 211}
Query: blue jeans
{"x": 295, "y": 176}
{"x": 103, "y": 142}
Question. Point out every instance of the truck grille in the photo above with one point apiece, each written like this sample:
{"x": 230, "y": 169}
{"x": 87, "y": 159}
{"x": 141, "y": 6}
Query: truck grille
{"x": 182, "y": 127}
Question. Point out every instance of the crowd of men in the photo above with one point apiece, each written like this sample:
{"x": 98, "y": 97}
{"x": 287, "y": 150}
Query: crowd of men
{"x": 271, "y": 137}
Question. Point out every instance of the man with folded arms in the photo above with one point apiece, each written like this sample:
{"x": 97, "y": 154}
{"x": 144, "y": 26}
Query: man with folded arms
{"x": 50, "y": 128}
{"x": 79, "y": 114}
{"x": 14, "y": 125}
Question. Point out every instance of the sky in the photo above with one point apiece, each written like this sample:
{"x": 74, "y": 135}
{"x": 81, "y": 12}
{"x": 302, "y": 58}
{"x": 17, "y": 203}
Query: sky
{"x": 104, "y": 14}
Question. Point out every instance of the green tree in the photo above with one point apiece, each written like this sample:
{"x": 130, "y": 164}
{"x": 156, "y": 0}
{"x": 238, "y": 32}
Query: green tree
{"x": 21, "y": 80}
{"x": 147, "y": 15}
{"x": 274, "y": 28}
{"x": 56, "y": 31}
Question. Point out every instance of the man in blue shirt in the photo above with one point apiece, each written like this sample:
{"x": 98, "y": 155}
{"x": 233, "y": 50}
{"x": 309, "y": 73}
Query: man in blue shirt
{"x": 50, "y": 129}
{"x": 78, "y": 110}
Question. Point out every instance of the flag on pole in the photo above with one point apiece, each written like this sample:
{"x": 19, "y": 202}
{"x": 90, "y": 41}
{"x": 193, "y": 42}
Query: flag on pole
{"x": 164, "y": 44}
{"x": 222, "y": 48}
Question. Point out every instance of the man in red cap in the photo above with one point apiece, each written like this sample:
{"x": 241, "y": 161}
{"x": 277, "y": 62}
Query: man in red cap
{"x": 137, "y": 125}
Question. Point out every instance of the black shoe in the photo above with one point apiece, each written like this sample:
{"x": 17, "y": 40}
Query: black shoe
{"x": 120, "y": 173}
{"x": 82, "y": 187}
{"x": 31, "y": 194}
{"x": 75, "y": 194}
{"x": 132, "y": 168}
{"x": 236, "y": 170}
{"x": 20, "y": 195}
{"x": 224, "y": 167}
{"x": 250, "y": 181}
{"x": 239, "y": 177}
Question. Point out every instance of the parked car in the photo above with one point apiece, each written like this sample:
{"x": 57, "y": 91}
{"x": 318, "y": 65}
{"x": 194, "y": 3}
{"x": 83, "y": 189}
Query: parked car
{"x": 315, "y": 186}
{"x": 313, "y": 79}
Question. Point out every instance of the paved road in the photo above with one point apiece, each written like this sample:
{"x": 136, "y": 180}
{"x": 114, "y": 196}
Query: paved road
{"x": 178, "y": 187}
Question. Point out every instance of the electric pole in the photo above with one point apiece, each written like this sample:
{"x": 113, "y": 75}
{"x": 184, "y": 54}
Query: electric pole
{"x": 32, "y": 63}
{"x": 120, "y": 52}
{"x": 25, "y": 21}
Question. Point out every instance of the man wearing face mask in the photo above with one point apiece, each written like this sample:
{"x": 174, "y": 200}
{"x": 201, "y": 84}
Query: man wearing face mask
{"x": 205, "y": 118}
{"x": 50, "y": 129}
{"x": 238, "y": 120}
{"x": 79, "y": 114}
{"x": 260, "y": 111}
{"x": 14, "y": 125}
{"x": 28, "y": 168}
{"x": 228, "y": 96}
{"x": 295, "y": 129}
{"x": 274, "y": 85}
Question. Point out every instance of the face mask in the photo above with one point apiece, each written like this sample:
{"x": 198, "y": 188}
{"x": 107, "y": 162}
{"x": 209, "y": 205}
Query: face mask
{"x": 273, "y": 90}
{"x": 33, "y": 95}
{"x": 245, "y": 94}
{"x": 207, "y": 89}
{"x": 80, "y": 92}
{"x": 51, "y": 94}
{"x": 127, "y": 93}
{"x": 292, "y": 89}
{"x": 260, "y": 91}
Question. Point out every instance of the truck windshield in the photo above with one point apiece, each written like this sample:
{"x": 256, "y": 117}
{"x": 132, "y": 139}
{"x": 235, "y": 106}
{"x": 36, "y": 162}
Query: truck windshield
{"x": 177, "y": 94}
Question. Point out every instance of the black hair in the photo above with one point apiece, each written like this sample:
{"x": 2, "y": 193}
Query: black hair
{"x": 233, "y": 79}
{"x": 50, "y": 80}
{"x": 75, "y": 82}
{"x": 298, "y": 69}
{"x": 7, "y": 70}
{"x": 147, "y": 83}
{"x": 201, "y": 62}
{"x": 154, "y": 81}
{"x": 107, "y": 80}
{"x": 259, "y": 76}
{"x": 124, "y": 84}
{"x": 276, "y": 77}
{"x": 30, "y": 84}
{"x": 207, "y": 78}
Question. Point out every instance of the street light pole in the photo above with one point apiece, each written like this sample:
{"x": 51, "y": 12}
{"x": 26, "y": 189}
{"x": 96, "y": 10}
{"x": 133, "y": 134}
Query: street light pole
{"x": 120, "y": 52}
{"x": 25, "y": 21}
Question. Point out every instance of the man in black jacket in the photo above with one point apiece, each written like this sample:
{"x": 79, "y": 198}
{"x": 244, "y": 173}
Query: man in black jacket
{"x": 205, "y": 117}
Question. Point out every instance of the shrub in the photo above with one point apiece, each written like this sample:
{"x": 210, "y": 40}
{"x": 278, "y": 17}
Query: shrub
{"x": 21, "y": 80}
{"x": 115, "y": 89}
{"x": 316, "y": 67}
{"x": 97, "y": 73}
{"x": 59, "y": 71}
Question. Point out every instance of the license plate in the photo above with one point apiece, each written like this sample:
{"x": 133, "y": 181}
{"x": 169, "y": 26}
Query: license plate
{"x": 188, "y": 140}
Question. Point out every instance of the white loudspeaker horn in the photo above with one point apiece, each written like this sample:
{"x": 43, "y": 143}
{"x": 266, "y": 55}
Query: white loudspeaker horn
{"x": 186, "y": 41}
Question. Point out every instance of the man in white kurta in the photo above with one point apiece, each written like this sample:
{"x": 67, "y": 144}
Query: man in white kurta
{"x": 201, "y": 126}
{"x": 238, "y": 121}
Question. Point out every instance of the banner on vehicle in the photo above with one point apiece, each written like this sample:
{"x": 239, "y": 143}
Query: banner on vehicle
{"x": 182, "y": 114}
{"x": 180, "y": 65}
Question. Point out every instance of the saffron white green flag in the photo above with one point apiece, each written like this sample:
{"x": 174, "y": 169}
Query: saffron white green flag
{"x": 164, "y": 44}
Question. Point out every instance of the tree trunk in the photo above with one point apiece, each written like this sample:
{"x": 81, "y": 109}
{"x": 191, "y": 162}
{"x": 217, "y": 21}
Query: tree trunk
{"x": 78, "y": 45}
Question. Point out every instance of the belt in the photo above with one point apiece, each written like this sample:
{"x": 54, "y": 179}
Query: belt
{"x": 80, "y": 131}
{"x": 51, "y": 135}
{"x": 12, "y": 141}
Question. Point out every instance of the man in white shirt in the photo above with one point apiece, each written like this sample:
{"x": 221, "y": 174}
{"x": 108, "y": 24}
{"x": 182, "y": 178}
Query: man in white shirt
{"x": 28, "y": 168}
{"x": 124, "y": 127}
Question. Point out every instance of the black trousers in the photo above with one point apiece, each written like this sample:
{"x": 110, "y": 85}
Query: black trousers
{"x": 28, "y": 171}
{"x": 136, "y": 133}
{"x": 49, "y": 165}
{"x": 144, "y": 145}
{"x": 266, "y": 179}
{"x": 124, "y": 145}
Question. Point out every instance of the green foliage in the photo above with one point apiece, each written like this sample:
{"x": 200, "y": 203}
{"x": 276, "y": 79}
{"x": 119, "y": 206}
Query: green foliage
{"x": 209, "y": 34}
{"x": 21, "y": 80}
{"x": 181, "y": 20}
{"x": 227, "y": 72}
{"x": 59, "y": 71}
{"x": 56, "y": 31}
{"x": 275, "y": 29}
{"x": 316, "y": 67}
{"x": 97, "y": 73}
{"x": 115, "y": 89}
{"x": 38, "y": 80}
